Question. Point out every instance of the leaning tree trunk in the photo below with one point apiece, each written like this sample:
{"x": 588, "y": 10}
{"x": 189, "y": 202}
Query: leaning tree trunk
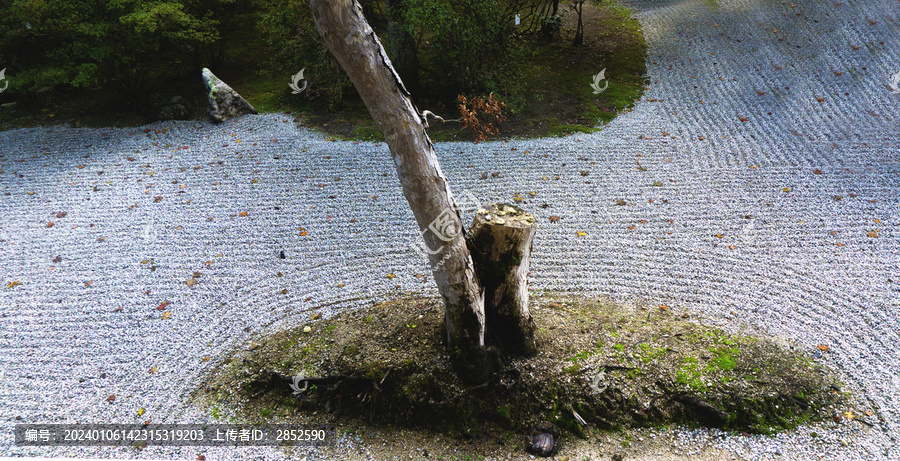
{"x": 349, "y": 38}
{"x": 506, "y": 242}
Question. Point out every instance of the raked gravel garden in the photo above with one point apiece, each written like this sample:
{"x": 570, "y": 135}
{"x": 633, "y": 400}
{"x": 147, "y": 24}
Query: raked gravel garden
{"x": 756, "y": 184}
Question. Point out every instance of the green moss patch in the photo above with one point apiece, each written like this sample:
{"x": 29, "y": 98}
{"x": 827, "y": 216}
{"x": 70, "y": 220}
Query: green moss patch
{"x": 611, "y": 366}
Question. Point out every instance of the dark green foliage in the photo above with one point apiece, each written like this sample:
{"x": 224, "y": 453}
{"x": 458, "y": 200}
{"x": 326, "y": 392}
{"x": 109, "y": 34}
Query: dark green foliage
{"x": 72, "y": 43}
{"x": 465, "y": 41}
{"x": 289, "y": 29}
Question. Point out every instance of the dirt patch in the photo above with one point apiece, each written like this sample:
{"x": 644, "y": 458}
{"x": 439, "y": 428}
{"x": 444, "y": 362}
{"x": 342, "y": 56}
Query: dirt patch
{"x": 600, "y": 365}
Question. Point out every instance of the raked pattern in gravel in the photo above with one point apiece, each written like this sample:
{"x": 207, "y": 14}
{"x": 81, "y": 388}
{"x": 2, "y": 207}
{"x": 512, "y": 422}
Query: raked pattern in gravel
{"x": 760, "y": 174}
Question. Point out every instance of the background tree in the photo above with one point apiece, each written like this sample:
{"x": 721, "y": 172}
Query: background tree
{"x": 127, "y": 43}
{"x": 403, "y": 50}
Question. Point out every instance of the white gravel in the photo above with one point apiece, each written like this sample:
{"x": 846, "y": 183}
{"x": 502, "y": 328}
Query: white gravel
{"x": 801, "y": 267}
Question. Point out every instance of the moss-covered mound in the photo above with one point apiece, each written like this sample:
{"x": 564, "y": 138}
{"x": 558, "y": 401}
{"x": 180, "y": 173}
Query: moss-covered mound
{"x": 599, "y": 365}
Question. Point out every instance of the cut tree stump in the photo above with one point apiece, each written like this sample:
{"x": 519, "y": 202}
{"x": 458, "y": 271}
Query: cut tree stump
{"x": 500, "y": 242}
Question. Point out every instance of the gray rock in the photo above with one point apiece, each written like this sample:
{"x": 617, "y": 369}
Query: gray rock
{"x": 224, "y": 102}
{"x": 174, "y": 109}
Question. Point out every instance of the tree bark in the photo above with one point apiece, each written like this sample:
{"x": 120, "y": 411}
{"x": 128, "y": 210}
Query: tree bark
{"x": 579, "y": 30}
{"x": 349, "y": 38}
{"x": 500, "y": 241}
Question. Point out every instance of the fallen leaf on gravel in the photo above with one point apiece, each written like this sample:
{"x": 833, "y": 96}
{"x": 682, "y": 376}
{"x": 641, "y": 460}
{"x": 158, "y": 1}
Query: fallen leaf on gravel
{"x": 820, "y": 99}
{"x": 581, "y": 233}
{"x": 166, "y": 315}
{"x": 786, "y": 189}
{"x": 191, "y": 282}
{"x": 13, "y": 283}
{"x": 157, "y": 199}
{"x": 554, "y": 218}
{"x": 61, "y": 214}
{"x": 391, "y": 276}
{"x": 823, "y": 347}
{"x": 163, "y": 305}
{"x": 877, "y": 221}
{"x": 88, "y": 283}
{"x": 111, "y": 398}
{"x": 817, "y": 171}
{"x": 284, "y": 291}
{"x": 663, "y": 307}
{"x": 57, "y": 259}
{"x": 872, "y": 233}
{"x": 152, "y": 370}
{"x": 141, "y": 411}
{"x": 621, "y": 202}
{"x": 206, "y": 358}
{"x": 118, "y": 309}
{"x": 50, "y": 224}
{"x": 837, "y": 197}
{"x": 731, "y": 247}
{"x": 839, "y": 244}
{"x": 243, "y": 213}
{"x": 743, "y": 119}
{"x": 720, "y": 236}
